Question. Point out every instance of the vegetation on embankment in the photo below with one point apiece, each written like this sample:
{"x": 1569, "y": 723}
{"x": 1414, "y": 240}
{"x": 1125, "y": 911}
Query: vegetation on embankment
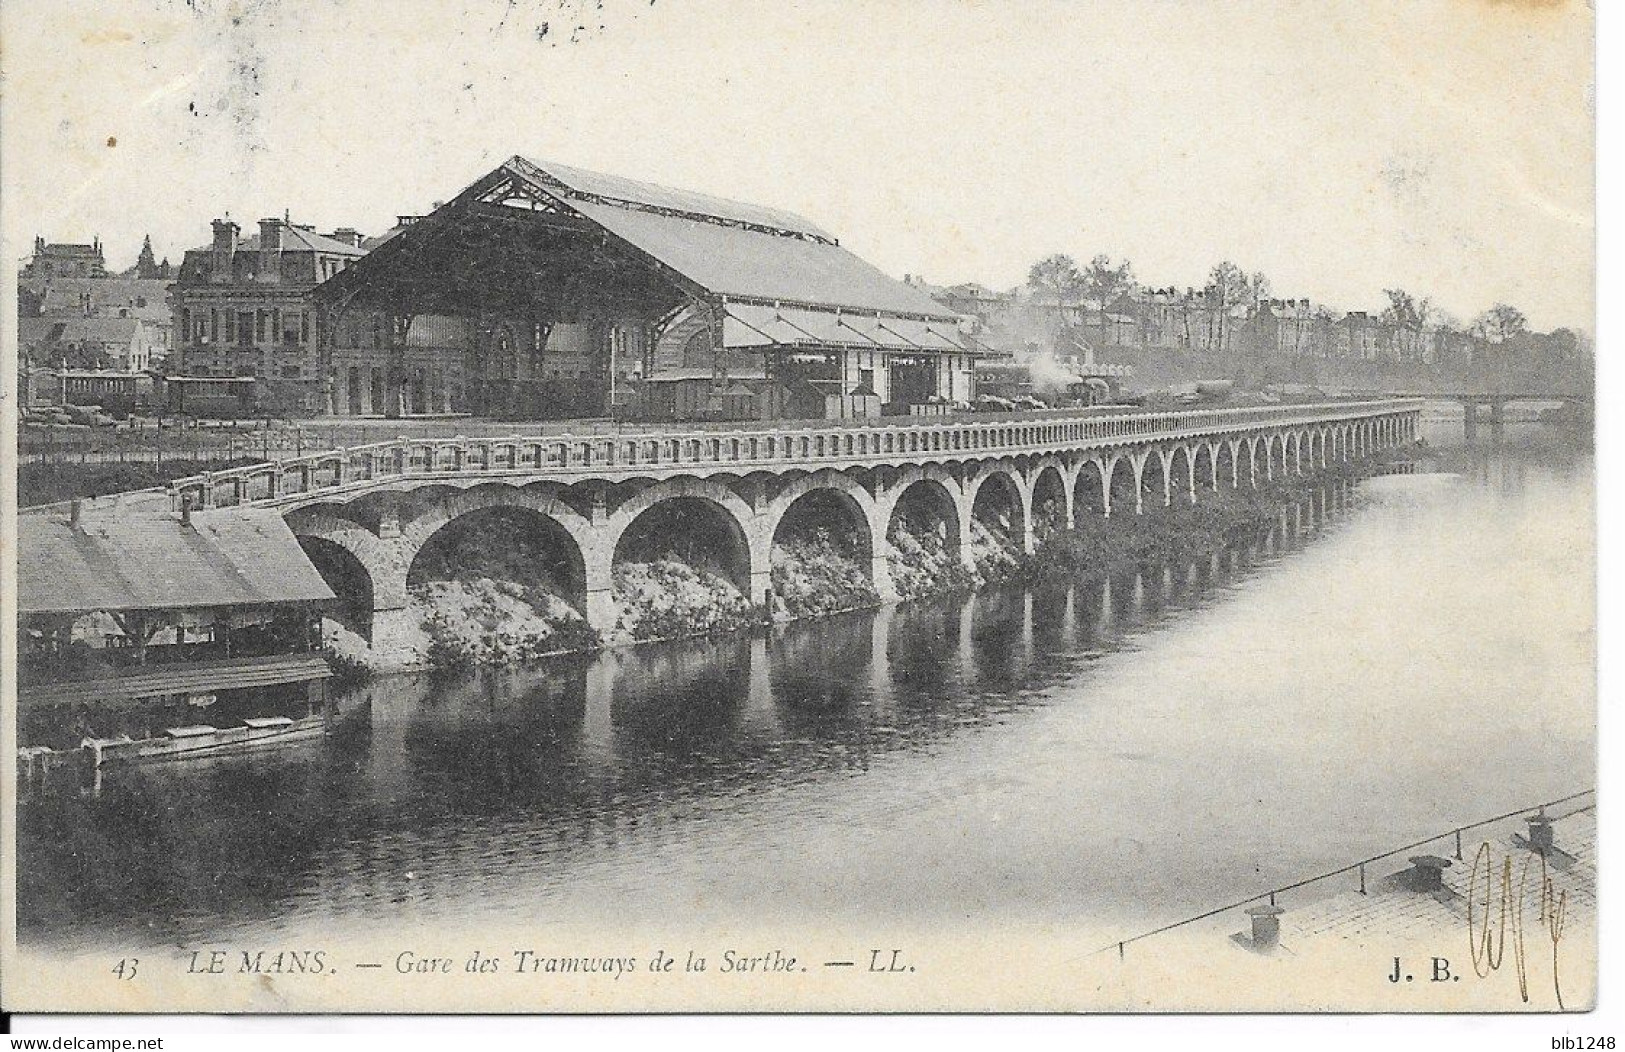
{"x": 487, "y": 591}
{"x": 1097, "y": 547}
{"x": 483, "y": 621}
{"x": 50, "y": 483}
{"x": 668, "y": 599}
{"x": 468, "y": 621}
{"x": 923, "y": 565}
{"x": 817, "y": 575}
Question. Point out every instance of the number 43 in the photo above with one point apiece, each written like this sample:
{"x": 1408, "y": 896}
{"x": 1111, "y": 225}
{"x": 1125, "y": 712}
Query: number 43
{"x": 125, "y": 969}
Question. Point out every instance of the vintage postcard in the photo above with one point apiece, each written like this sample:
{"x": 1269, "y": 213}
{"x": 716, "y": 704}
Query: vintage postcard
{"x": 614, "y": 506}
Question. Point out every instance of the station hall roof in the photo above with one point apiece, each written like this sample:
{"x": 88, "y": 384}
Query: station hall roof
{"x": 750, "y": 326}
{"x": 131, "y": 560}
{"x": 581, "y": 182}
{"x": 707, "y": 246}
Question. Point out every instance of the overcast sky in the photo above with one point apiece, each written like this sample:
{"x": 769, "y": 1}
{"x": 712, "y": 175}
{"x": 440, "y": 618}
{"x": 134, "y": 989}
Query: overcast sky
{"x": 1340, "y": 146}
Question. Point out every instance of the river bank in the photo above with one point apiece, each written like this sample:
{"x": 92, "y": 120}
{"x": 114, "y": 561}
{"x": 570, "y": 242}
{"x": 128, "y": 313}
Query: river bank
{"x": 937, "y": 748}
{"x": 482, "y": 616}
{"x": 1097, "y": 547}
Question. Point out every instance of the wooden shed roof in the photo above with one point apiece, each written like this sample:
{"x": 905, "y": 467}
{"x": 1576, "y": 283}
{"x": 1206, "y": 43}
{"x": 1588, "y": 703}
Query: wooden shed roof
{"x": 133, "y": 560}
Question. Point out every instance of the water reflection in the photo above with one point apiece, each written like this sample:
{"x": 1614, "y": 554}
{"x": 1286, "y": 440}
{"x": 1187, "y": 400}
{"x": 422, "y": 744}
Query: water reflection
{"x": 527, "y": 776}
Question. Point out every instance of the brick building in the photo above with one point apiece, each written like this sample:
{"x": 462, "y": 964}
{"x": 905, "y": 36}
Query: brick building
{"x": 241, "y": 309}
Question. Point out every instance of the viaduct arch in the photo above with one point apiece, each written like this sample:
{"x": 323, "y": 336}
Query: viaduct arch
{"x": 1028, "y": 477}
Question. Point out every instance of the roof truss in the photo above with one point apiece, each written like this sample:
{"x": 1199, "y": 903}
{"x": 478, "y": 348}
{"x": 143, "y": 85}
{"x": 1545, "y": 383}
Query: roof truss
{"x": 506, "y": 243}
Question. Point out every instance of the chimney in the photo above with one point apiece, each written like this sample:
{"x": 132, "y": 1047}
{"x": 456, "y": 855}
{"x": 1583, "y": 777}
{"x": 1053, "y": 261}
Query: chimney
{"x": 223, "y": 251}
{"x": 1426, "y": 873}
{"x": 270, "y": 249}
{"x": 349, "y": 235}
{"x": 1266, "y": 934}
{"x": 1540, "y": 839}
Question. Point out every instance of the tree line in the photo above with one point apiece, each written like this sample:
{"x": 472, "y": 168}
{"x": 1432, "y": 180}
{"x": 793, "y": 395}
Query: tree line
{"x": 1059, "y": 279}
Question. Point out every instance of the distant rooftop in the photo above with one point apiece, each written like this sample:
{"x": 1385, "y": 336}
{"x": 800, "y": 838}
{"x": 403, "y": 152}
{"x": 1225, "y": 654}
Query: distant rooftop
{"x": 298, "y": 238}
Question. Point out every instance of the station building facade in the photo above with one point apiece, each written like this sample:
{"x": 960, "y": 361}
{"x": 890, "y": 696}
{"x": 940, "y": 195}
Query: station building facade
{"x": 242, "y": 311}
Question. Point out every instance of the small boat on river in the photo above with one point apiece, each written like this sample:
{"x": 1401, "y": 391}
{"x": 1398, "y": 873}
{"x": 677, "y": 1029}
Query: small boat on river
{"x": 153, "y": 714}
{"x": 203, "y": 740}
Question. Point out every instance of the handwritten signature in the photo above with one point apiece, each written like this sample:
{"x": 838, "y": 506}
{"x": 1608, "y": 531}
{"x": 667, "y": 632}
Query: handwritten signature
{"x": 1495, "y": 906}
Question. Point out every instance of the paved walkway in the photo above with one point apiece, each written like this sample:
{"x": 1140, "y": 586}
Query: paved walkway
{"x": 1392, "y": 909}
{"x": 1399, "y": 946}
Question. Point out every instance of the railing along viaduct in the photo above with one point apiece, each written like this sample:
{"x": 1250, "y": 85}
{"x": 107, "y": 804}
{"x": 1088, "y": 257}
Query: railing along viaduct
{"x": 366, "y": 513}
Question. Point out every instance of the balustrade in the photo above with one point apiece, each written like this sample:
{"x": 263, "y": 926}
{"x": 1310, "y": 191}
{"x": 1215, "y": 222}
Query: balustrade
{"x": 337, "y": 469}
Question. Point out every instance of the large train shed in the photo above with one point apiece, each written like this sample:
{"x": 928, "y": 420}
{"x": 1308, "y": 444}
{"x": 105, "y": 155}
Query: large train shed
{"x": 585, "y": 294}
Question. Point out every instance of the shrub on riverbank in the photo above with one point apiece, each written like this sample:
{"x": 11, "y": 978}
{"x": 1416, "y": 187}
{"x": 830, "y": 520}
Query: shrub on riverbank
{"x": 1049, "y": 518}
{"x": 994, "y": 553}
{"x": 348, "y": 670}
{"x": 668, "y": 598}
{"x": 815, "y": 575}
{"x": 481, "y": 621}
{"x": 1097, "y": 546}
{"x": 922, "y": 564}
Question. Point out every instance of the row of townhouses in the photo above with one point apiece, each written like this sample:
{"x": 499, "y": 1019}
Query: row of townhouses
{"x": 1197, "y": 321}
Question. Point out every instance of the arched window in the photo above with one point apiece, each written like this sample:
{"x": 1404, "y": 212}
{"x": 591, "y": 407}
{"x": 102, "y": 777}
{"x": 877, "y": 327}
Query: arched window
{"x": 697, "y": 351}
{"x": 539, "y": 333}
{"x": 505, "y": 364}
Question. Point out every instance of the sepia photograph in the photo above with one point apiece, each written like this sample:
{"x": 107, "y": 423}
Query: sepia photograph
{"x": 690, "y": 506}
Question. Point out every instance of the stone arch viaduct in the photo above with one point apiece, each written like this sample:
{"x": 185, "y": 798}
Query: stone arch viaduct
{"x": 376, "y": 507}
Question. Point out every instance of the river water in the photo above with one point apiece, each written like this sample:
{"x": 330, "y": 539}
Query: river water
{"x": 1399, "y": 657}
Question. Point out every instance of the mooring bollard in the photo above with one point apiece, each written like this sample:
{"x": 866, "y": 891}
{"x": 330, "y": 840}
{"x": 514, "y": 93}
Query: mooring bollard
{"x": 1541, "y": 838}
{"x": 1266, "y": 926}
{"x": 1427, "y": 873}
